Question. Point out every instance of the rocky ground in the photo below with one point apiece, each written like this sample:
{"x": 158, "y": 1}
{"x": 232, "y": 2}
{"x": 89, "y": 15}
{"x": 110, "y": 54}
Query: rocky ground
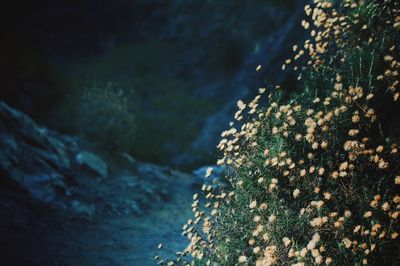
{"x": 64, "y": 205}
{"x": 106, "y": 239}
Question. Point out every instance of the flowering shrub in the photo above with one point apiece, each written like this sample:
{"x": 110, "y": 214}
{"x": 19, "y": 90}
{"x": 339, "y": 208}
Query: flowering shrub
{"x": 106, "y": 115}
{"x": 314, "y": 177}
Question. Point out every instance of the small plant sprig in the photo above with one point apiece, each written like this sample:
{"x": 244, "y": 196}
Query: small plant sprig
{"x": 106, "y": 115}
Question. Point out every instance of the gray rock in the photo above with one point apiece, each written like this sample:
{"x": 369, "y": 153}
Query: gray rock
{"x": 216, "y": 178}
{"x": 33, "y": 158}
{"x": 93, "y": 162}
{"x": 47, "y": 168}
{"x": 270, "y": 52}
{"x": 83, "y": 209}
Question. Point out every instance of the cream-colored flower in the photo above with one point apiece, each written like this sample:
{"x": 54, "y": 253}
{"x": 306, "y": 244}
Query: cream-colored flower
{"x": 385, "y": 206}
{"x": 369, "y": 96}
{"x": 286, "y": 241}
{"x": 263, "y": 206}
{"x": 303, "y": 252}
{"x": 242, "y": 259}
{"x": 353, "y": 132}
{"x": 327, "y": 195}
{"x": 241, "y": 105}
{"x": 367, "y": 214}
{"x": 318, "y": 260}
{"x": 355, "y": 118}
{"x": 209, "y": 171}
{"x": 311, "y": 245}
{"x": 321, "y": 171}
{"x": 343, "y": 166}
{"x": 373, "y": 204}
{"x": 272, "y": 218}
{"x": 296, "y": 193}
{"x": 324, "y": 144}
{"x": 379, "y": 148}
{"x": 396, "y": 199}
{"x": 357, "y": 229}
{"x": 303, "y": 172}
{"x": 312, "y": 169}
{"x": 291, "y": 253}
{"x": 315, "y": 145}
{"x": 347, "y": 243}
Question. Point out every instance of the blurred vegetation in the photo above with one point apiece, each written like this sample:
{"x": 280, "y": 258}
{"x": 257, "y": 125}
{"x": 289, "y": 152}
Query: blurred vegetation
{"x": 105, "y": 114}
{"x": 314, "y": 177}
{"x": 161, "y": 99}
{"x": 165, "y": 52}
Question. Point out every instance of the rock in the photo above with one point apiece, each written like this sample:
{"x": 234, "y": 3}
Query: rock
{"x": 270, "y": 52}
{"x": 216, "y": 178}
{"x": 129, "y": 181}
{"x": 92, "y": 162}
{"x": 45, "y": 192}
{"x": 33, "y": 158}
{"x": 51, "y": 170}
{"x": 84, "y": 210}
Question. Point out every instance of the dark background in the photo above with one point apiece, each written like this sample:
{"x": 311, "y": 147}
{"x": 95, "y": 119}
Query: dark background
{"x": 185, "y": 61}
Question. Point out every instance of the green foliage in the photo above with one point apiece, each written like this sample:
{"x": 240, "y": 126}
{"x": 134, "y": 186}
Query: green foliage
{"x": 105, "y": 114}
{"x": 314, "y": 178}
{"x": 162, "y": 124}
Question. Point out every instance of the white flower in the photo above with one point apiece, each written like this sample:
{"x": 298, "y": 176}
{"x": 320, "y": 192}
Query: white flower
{"x": 208, "y": 171}
{"x": 286, "y": 241}
{"x": 347, "y": 243}
{"x": 296, "y": 193}
{"x": 311, "y": 245}
{"x": 253, "y": 204}
{"x": 256, "y": 250}
{"x": 272, "y": 218}
{"x": 242, "y": 259}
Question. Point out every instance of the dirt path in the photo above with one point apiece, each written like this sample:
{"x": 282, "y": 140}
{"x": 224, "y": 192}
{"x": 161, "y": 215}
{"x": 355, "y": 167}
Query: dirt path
{"x": 110, "y": 239}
